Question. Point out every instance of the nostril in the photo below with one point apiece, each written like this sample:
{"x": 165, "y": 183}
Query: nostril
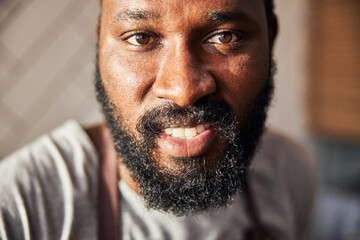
{"x": 184, "y": 90}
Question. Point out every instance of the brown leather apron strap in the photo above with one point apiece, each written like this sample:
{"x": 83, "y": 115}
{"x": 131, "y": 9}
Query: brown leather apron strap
{"x": 108, "y": 228}
{"x": 108, "y": 203}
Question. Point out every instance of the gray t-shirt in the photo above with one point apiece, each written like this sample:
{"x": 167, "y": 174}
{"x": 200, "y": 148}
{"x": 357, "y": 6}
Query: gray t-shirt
{"x": 48, "y": 190}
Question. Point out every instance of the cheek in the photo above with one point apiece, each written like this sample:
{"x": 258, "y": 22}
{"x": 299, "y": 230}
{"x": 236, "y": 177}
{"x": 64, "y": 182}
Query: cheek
{"x": 240, "y": 81}
{"x": 126, "y": 80}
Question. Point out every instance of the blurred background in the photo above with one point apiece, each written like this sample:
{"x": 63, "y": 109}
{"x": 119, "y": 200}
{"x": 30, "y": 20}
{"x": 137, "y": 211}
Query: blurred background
{"x": 47, "y": 52}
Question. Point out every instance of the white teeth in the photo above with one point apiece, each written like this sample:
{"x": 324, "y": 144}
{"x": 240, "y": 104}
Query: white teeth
{"x": 187, "y": 133}
{"x": 190, "y": 133}
{"x": 169, "y": 131}
{"x": 200, "y": 128}
{"x": 179, "y": 132}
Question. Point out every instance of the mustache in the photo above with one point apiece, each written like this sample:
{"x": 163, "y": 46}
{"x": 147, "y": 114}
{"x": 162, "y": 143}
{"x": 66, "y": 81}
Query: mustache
{"x": 172, "y": 115}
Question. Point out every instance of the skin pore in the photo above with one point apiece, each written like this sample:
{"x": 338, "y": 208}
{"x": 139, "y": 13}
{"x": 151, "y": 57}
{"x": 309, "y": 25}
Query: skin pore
{"x": 153, "y": 61}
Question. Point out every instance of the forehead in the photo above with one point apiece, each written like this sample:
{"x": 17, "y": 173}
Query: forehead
{"x": 150, "y": 10}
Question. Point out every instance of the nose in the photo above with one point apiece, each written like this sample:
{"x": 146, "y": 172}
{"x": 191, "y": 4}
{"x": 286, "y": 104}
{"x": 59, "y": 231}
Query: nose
{"x": 182, "y": 78}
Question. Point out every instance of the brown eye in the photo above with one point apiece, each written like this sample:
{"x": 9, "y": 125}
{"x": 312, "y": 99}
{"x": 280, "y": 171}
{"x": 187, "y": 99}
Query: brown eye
{"x": 223, "y": 38}
{"x": 140, "y": 39}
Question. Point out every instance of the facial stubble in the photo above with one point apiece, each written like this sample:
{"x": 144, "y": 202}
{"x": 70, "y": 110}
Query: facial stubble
{"x": 196, "y": 186}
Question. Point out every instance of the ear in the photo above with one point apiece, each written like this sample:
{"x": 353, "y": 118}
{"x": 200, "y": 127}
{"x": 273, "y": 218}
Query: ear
{"x": 273, "y": 30}
{"x": 97, "y": 29}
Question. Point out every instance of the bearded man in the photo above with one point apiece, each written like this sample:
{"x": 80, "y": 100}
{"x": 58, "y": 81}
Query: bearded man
{"x": 184, "y": 87}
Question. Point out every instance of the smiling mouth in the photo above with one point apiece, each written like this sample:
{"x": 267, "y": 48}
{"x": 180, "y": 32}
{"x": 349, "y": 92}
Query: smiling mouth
{"x": 187, "y": 133}
{"x": 187, "y": 141}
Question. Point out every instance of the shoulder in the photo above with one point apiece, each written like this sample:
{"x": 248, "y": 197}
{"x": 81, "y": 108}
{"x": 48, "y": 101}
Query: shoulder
{"x": 41, "y": 181}
{"x": 53, "y": 152}
{"x": 283, "y": 155}
{"x": 284, "y": 178}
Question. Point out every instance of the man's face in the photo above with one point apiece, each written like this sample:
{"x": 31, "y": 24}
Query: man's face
{"x": 193, "y": 70}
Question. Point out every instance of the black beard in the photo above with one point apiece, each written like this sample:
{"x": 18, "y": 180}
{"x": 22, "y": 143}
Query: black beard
{"x": 195, "y": 186}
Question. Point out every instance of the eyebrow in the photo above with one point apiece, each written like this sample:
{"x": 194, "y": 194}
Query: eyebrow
{"x": 140, "y": 15}
{"x": 219, "y": 17}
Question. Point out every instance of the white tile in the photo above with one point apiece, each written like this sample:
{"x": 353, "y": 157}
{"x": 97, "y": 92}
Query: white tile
{"x": 92, "y": 11}
{"x": 287, "y": 111}
{"x": 85, "y": 82}
{"x": 10, "y": 134}
{"x": 31, "y": 23}
{"x": 88, "y": 112}
{"x": 8, "y": 145}
{"x": 85, "y": 24}
{"x": 7, "y": 115}
{"x": 69, "y": 75}
{"x": 37, "y": 79}
{"x": 7, "y": 79}
{"x": 2, "y": 73}
{"x": 5, "y": 8}
{"x": 17, "y": 137}
{"x": 4, "y": 129}
{"x": 60, "y": 111}
{"x": 7, "y": 59}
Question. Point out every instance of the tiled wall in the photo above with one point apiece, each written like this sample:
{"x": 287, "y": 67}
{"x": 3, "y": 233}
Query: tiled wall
{"x": 47, "y": 52}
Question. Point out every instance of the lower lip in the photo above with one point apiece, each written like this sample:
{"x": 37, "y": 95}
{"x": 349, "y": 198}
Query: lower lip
{"x": 196, "y": 146}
